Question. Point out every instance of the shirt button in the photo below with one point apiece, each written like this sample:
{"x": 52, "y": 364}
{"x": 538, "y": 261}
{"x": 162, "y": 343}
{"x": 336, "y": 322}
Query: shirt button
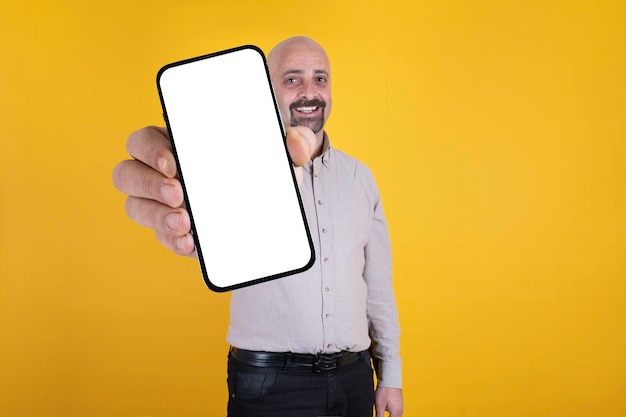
{"x": 326, "y": 289}
{"x": 323, "y": 230}
{"x": 325, "y": 259}
{"x": 330, "y": 345}
{"x": 327, "y": 315}
{"x": 319, "y": 202}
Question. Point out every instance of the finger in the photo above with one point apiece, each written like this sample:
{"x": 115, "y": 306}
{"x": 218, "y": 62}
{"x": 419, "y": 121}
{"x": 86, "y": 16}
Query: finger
{"x": 380, "y": 408}
{"x": 395, "y": 413}
{"x": 300, "y": 143}
{"x": 151, "y": 146}
{"x": 180, "y": 245}
{"x": 158, "y": 216}
{"x": 139, "y": 180}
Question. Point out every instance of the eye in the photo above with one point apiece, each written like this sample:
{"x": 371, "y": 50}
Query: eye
{"x": 291, "y": 80}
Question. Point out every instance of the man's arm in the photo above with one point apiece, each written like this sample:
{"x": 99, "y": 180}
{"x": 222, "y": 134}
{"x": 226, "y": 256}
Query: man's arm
{"x": 383, "y": 316}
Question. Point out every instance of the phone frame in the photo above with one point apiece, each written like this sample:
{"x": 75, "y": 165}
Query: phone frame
{"x": 181, "y": 176}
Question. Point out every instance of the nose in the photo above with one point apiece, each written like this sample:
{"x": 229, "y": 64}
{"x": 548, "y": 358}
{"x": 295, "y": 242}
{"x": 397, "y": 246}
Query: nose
{"x": 307, "y": 91}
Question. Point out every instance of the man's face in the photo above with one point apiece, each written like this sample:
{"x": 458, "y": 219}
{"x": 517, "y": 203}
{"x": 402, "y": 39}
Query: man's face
{"x": 301, "y": 79}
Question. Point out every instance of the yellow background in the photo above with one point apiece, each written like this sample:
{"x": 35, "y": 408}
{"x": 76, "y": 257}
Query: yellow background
{"x": 495, "y": 130}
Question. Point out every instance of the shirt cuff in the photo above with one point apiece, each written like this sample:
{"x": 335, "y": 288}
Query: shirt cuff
{"x": 389, "y": 375}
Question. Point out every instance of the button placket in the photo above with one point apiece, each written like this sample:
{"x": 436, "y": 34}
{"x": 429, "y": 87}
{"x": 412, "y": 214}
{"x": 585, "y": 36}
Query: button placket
{"x": 323, "y": 218}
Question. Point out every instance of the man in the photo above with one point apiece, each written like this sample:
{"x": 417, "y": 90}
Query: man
{"x": 301, "y": 344}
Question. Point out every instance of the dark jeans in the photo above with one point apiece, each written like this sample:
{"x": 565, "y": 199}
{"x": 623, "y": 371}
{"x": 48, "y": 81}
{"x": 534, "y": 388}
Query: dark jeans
{"x": 288, "y": 392}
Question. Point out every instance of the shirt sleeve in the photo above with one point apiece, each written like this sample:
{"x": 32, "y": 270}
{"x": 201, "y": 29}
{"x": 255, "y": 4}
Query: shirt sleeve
{"x": 382, "y": 312}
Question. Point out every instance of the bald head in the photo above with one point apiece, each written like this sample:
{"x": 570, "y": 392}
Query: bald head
{"x": 300, "y": 72}
{"x": 291, "y": 45}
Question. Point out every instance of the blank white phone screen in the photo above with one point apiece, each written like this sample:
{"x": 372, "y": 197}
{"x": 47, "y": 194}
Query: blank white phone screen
{"x": 247, "y": 217}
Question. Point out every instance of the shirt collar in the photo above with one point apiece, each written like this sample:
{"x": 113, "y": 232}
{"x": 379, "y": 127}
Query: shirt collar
{"x": 325, "y": 149}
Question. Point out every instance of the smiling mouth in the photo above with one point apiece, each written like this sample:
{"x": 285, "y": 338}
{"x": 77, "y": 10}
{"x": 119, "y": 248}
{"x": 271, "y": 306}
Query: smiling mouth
{"x": 306, "y": 110}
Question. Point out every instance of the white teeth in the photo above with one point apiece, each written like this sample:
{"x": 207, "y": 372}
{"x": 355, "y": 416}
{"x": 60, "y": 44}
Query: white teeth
{"x": 306, "y": 109}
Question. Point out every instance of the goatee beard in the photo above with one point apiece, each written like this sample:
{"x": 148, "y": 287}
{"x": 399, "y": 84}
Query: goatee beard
{"x": 314, "y": 123}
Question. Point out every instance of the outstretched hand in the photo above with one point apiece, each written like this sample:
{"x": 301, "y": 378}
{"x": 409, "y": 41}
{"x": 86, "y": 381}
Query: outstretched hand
{"x": 155, "y": 196}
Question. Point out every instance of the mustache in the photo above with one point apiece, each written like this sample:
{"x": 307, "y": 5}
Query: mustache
{"x": 316, "y": 102}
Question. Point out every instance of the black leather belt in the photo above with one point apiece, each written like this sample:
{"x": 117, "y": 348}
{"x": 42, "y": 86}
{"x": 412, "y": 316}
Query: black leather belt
{"x": 322, "y": 362}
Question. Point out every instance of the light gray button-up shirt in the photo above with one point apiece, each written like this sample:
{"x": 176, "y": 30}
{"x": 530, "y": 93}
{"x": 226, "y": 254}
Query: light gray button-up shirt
{"x": 345, "y": 301}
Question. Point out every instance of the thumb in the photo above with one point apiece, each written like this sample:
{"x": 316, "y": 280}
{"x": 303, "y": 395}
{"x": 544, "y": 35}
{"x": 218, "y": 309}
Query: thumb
{"x": 300, "y": 143}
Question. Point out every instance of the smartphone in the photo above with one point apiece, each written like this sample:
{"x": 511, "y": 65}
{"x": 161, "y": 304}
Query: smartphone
{"x": 247, "y": 217}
